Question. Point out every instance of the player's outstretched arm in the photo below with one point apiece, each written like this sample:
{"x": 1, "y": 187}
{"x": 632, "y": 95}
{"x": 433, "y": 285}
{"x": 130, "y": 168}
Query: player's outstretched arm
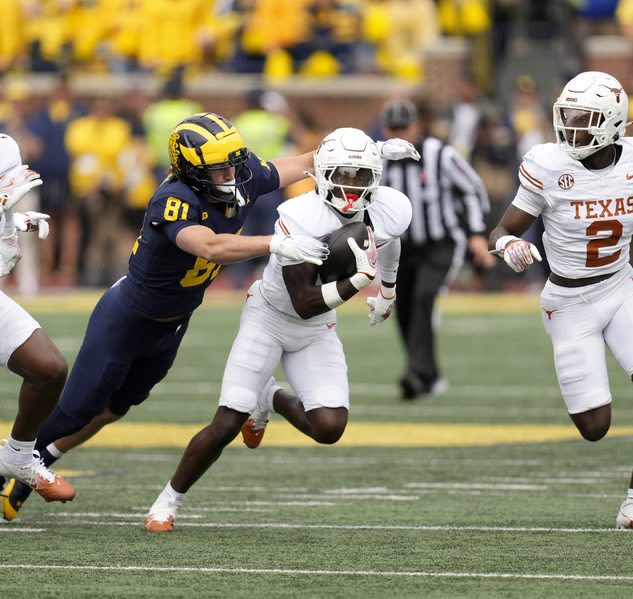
{"x": 505, "y": 240}
{"x": 225, "y": 248}
{"x": 294, "y": 168}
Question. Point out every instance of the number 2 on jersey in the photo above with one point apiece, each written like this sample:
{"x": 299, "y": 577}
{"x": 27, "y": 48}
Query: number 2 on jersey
{"x": 594, "y": 260}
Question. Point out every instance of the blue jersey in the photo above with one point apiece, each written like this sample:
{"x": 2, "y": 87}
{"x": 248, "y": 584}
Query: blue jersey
{"x": 164, "y": 281}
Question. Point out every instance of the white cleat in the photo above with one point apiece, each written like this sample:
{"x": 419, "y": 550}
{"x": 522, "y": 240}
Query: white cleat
{"x": 624, "y": 520}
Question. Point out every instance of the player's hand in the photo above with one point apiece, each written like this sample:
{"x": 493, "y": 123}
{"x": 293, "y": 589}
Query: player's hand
{"x": 299, "y": 247}
{"x": 397, "y": 149}
{"x": 10, "y": 253}
{"x": 380, "y": 307}
{"x": 519, "y": 254}
{"x": 15, "y": 184}
{"x": 32, "y": 221}
{"x": 366, "y": 261}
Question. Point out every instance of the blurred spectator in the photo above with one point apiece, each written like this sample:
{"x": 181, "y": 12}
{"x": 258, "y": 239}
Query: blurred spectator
{"x": 49, "y": 33}
{"x": 161, "y": 116}
{"x": 263, "y": 34}
{"x": 265, "y": 128}
{"x": 59, "y": 257}
{"x": 334, "y": 34}
{"x": 527, "y": 115}
{"x": 400, "y": 31}
{"x": 96, "y": 143}
{"x": 465, "y": 117}
{"x": 169, "y": 33}
{"x": 12, "y": 38}
{"x": 136, "y": 161}
{"x": 472, "y": 20}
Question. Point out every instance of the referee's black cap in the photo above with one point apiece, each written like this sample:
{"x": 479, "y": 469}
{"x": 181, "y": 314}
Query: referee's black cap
{"x": 398, "y": 114}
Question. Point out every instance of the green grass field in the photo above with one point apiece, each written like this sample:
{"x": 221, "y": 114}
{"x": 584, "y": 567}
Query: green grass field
{"x": 484, "y": 492}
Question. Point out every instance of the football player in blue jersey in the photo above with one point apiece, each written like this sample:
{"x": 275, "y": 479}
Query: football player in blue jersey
{"x": 192, "y": 227}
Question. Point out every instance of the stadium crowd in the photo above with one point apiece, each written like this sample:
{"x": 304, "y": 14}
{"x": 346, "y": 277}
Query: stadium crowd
{"x": 100, "y": 154}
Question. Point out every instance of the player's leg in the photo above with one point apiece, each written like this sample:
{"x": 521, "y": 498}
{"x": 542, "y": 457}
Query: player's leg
{"x": 28, "y": 352}
{"x": 111, "y": 342}
{"x": 252, "y": 361}
{"x": 619, "y": 337}
{"x": 575, "y": 328}
{"x": 318, "y": 374}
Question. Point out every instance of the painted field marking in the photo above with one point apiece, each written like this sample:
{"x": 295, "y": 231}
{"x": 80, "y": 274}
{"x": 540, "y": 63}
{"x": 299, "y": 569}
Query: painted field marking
{"x": 9, "y": 528}
{"x": 352, "y": 527}
{"x": 302, "y": 572}
{"x": 358, "y": 434}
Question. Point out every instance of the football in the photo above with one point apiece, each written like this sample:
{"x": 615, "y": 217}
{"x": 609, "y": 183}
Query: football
{"x": 341, "y": 262}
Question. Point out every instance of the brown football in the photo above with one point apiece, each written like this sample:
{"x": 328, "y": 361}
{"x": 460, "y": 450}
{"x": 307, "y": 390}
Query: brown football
{"x": 341, "y": 262}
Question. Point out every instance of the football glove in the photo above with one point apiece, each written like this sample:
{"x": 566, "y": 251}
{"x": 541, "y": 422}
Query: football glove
{"x": 10, "y": 253}
{"x": 380, "y": 307}
{"x": 517, "y": 253}
{"x": 299, "y": 247}
{"x": 15, "y": 184}
{"x": 366, "y": 261}
{"x": 32, "y": 221}
{"x": 397, "y": 149}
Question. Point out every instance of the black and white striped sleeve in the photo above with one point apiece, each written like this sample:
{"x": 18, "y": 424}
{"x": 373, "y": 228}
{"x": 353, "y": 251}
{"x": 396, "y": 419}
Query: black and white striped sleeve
{"x": 471, "y": 191}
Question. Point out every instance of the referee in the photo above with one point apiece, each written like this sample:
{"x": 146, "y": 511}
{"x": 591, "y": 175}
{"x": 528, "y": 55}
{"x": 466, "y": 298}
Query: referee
{"x": 449, "y": 204}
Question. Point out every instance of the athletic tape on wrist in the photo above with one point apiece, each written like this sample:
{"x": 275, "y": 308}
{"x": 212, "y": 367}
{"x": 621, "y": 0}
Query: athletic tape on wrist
{"x": 505, "y": 240}
{"x": 331, "y": 296}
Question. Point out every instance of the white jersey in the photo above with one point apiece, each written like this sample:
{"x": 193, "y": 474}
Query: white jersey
{"x": 308, "y": 214}
{"x": 587, "y": 215}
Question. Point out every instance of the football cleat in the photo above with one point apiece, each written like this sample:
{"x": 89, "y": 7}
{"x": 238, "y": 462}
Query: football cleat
{"x": 625, "y": 515}
{"x": 13, "y": 497}
{"x": 161, "y": 515}
{"x": 159, "y": 523}
{"x": 38, "y": 477}
{"x": 254, "y": 428}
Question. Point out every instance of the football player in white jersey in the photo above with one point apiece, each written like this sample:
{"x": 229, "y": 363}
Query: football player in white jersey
{"x": 24, "y": 347}
{"x": 582, "y": 187}
{"x": 290, "y": 317}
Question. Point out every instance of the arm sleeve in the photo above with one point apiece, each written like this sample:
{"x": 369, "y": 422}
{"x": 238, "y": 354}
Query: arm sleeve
{"x": 170, "y": 215}
{"x": 529, "y": 201}
{"x": 265, "y": 176}
{"x": 472, "y": 190}
{"x": 388, "y": 260}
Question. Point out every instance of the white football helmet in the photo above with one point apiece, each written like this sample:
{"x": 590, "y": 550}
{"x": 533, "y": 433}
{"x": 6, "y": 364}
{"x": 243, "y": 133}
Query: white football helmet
{"x": 348, "y": 167}
{"x": 594, "y": 102}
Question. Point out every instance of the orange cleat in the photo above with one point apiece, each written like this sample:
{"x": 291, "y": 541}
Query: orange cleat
{"x": 253, "y": 429}
{"x": 158, "y": 523}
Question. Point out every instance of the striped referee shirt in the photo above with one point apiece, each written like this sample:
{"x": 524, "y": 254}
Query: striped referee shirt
{"x": 447, "y": 196}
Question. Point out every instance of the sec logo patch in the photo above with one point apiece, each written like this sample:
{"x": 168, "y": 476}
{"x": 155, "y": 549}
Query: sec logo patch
{"x": 565, "y": 181}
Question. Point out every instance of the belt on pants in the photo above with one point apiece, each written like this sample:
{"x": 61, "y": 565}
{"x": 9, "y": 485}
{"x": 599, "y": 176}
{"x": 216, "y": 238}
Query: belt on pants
{"x": 565, "y": 282}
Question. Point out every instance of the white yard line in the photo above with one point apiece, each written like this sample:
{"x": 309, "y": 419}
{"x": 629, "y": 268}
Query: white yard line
{"x": 350, "y": 527}
{"x": 301, "y": 572}
{"x": 9, "y": 528}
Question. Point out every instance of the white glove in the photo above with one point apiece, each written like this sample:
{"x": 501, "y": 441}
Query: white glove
{"x": 10, "y": 253}
{"x": 32, "y": 221}
{"x": 366, "y": 261}
{"x": 299, "y": 247}
{"x": 380, "y": 307}
{"x": 15, "y": 184}
{"x": 517, "y": 253}
{"x": 397, "y": 149}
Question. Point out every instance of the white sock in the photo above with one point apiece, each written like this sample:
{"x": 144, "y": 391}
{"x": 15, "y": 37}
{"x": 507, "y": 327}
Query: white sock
{"x": 52, "y": 449}
{"x": 169, "y": 496}
{"x": 18, "y": 452}
{"x": 629, "y": 495}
